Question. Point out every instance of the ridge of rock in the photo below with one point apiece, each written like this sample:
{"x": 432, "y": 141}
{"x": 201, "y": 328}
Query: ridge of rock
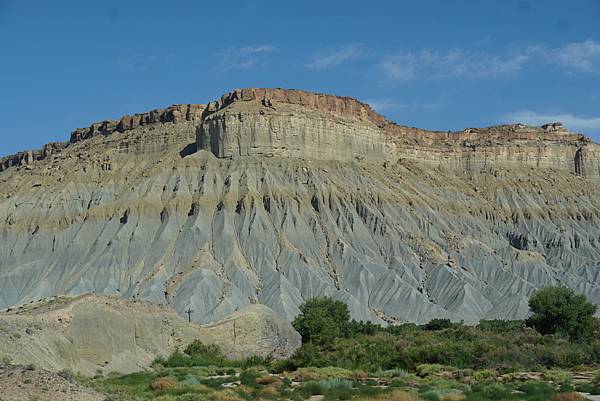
{"x": 347, "y": 107}
{"x": 94, "y": 332}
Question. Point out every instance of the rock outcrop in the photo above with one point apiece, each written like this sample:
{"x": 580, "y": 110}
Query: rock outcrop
{"x": 259, "y": 128}
{"x": 273, "y": 196}
{"x": 93, "y": 332}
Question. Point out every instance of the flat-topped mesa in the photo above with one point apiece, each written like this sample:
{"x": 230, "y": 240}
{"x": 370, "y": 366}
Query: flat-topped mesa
{"x": 295, "y": 123}
{"x": 291, "y": 123}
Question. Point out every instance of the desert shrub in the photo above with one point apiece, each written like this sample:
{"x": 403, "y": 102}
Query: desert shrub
{"x": 226, "y": 395}
{"x": 282, "y": 365}
{"x": 489, "y": 392}
{"x": 316, "y": 374}
{"x": 132, "y": 379}
{"x": 256, "y": 361}
{"x": 485, "y": 375}
{"x": 204, "y": 355}
{"x": 163, "y": 383}
{"x": 430, "y": 395}
{"x": 269, "y": 391}
{"x": 452, "y": 396}
{"x": 248, "y": 377}
{"x": 341, "y": 394}
{"x": 500, "y": 326}
{"x": 357, "y": 328}
{"x": 322, "y": 320}
{"x": 335, "y": 383}
{"x": 397, "y": 395}
{"x": 359, "y": 375}
{"x": 336, "y": 389}
{"x": 558, "y": 310}
{"x": 568, "y": 397}
{"x": 191, "y": 397}
{"x": 430, "y": 369}
{"x": 537, "y": 390}
{"x": 68, "y": 375}
{"x": 391, "y": 373}
{"x": 266, "y": 380}
{"x": 176, "y": 359}
{"x": 311, "y": 388}
{"x": 596, "y": 379}
{"x": 438, "y": 324}
{"x": 558, "y": 376}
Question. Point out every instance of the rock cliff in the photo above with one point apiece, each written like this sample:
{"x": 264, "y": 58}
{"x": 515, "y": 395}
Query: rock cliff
{"x": 275, "y": 196}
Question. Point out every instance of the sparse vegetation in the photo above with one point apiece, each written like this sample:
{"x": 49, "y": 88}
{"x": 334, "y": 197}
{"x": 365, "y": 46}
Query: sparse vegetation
{"x": 439, "y": 361}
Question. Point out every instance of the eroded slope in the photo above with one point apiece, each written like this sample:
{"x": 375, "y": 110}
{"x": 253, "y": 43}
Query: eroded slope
{"x": 293, "y": 195}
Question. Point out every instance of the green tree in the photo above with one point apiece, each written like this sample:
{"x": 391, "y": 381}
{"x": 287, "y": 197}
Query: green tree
{"x": 558, "y": 310}
{"x": 322, "y": 320}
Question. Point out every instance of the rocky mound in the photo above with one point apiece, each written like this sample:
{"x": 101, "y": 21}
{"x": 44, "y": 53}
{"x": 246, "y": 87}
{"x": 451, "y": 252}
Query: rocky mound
{"x": 93, "y": 332}
{"x": 275, "y": 196}
{"x": 21, "y": 383}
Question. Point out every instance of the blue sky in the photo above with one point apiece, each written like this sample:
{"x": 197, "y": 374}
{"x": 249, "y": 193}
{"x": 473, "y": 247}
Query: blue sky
{"x": 432, "y": 64}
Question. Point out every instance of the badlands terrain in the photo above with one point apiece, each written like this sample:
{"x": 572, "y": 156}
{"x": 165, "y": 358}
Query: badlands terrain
{"x": 272, "y": 197}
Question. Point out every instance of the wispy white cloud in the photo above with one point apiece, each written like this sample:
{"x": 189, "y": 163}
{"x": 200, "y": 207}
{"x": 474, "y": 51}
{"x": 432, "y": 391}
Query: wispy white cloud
{"x": 329, "y": 58}
{"x": 579, "y": 56}
{"x": 453, "y": 63}
{"x": 573, "y": 122}
{"x": 245, "y": 57}
{"x": 460, "y": 63}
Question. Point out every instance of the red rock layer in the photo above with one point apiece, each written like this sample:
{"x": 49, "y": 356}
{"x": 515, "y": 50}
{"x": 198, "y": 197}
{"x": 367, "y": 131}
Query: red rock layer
{"x": 344, "y": 106}
{"x": 174, "y": 114}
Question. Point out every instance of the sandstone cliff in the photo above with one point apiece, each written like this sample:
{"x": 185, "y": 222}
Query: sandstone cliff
{"x": 275, "y": 196}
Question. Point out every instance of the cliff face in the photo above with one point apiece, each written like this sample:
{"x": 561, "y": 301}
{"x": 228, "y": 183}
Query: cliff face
{"x": 272, "y": 196}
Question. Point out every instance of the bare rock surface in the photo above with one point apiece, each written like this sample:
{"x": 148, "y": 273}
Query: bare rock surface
{"x": 26, "y": 383}
{"x": 271, "y": 196}
{"x": 95, "y": 332}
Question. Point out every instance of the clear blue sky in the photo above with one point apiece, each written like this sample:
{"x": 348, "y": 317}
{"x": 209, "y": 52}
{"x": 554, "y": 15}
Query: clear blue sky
{"x": 433, "y": 64}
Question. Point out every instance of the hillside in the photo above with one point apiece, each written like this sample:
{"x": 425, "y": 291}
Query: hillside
{"x": 92, "y": 333}
{"x": 275, "y": 196}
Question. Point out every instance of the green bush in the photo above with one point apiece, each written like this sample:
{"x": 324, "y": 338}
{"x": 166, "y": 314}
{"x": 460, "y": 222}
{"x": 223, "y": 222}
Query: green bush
{"x": 311, "y": 388}
{"x": 491, "y": 392}
{"x": 537, "y": 391}
{"x": 485, "y": 375}
{"x": 257, "y": 361}
{"x": 337, "y": 389}
{"x": 500, "y": 326}
{"x": 430, "y": 395}
{"x": 558, "y": 310}
{"x": 204, "y": 355}
{"x": 438, "y": 324}
{"x": 322, "y": 320}
{"x": 248, "y": 377}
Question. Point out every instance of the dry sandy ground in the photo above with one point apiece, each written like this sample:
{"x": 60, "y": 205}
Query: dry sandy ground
{"x": 20, "y": 383}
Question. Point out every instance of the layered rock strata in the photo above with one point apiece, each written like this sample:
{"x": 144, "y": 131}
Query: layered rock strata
{"x": 292, "y": 195}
